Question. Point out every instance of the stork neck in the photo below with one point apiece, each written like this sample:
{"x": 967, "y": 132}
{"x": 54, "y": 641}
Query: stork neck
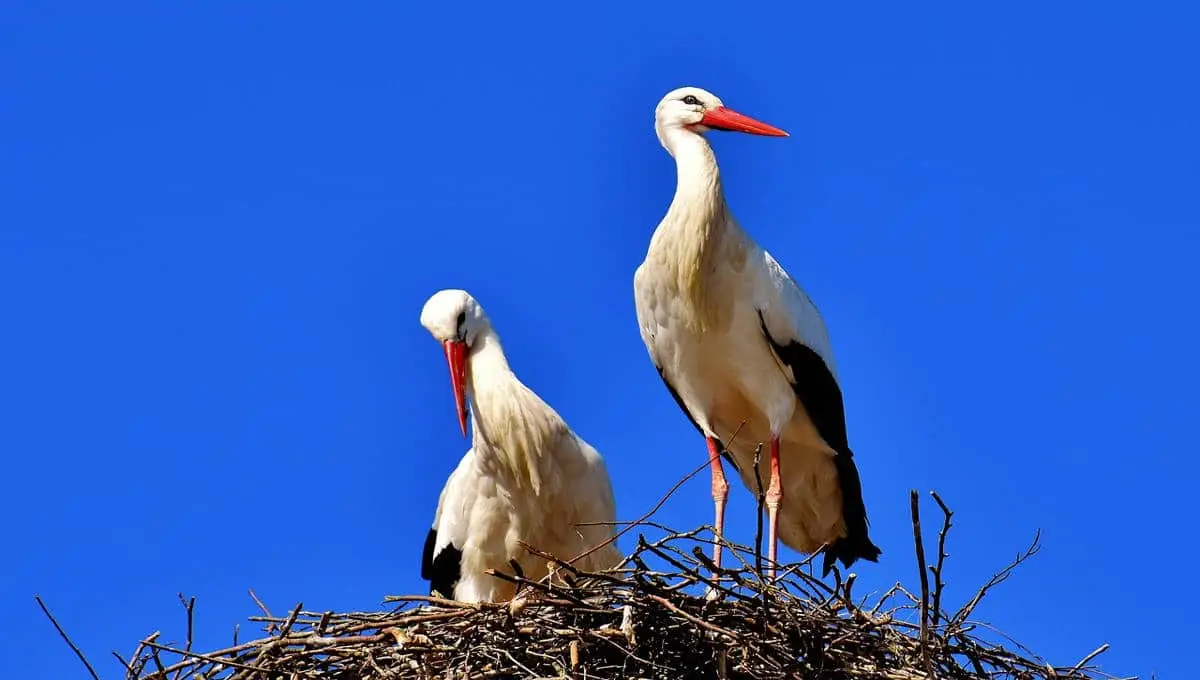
{"x": 690, "y": 240}
{"x": 487, "y": 365}
{"x": 699, "y": 202}
{"x": 509, "y": 437}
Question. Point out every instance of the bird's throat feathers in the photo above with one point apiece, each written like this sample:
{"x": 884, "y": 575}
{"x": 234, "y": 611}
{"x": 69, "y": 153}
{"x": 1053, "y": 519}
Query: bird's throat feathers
{"x": 512, "y": 428}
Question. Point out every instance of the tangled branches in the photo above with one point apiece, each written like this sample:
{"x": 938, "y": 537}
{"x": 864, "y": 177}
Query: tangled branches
{"x": 643, "y": 620}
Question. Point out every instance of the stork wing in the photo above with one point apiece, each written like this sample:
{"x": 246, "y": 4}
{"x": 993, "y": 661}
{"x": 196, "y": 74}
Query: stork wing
{"x": 441, "y": 559}
{"x": 789, "y": 313}
{"x": 797, "y": 334}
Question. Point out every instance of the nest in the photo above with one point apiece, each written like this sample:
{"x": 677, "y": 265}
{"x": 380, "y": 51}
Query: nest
{"x": 647, "y": 619}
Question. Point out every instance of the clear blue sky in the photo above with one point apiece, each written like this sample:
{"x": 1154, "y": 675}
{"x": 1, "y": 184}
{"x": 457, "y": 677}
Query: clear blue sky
{"x": 219, "y": 223}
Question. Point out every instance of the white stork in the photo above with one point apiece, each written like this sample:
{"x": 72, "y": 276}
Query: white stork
{"x": 527, "y": 476}
{"x": 736, "y": 339}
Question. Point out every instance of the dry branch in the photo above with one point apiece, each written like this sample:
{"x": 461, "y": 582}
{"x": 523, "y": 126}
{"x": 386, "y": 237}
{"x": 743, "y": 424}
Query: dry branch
{"x": 66, "y": 638}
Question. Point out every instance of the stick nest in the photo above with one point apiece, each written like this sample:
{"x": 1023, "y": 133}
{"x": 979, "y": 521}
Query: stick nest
{"x": 647, "y": 619}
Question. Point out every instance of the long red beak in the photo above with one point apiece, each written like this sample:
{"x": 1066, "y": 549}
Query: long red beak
{"x": 456, "y": 356}
{"x": 722, "y": 118}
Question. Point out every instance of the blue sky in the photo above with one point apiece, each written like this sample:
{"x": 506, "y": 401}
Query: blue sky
{"x": 220, "y": 221}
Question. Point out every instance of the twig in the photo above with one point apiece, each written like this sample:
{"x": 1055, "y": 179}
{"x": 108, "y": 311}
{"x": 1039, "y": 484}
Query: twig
{"x": 137, "y": 655}
{"x": 915, "y": 507}
{"x": 128, "y": 666}
{"x": 662, "y": 501}
{"x": 203, "y": 657}
{"x": 270, "y": 626}
{"x": 1084, "y": 661}
{"x": 999, "y": 577}
{"x": 760, "y": 499}
{"x": 975, "y": 663}
{"x": 291, "y": 620}
{"x": 154, "y": 656}
{"x": 547, "y": 588}
{"x": 638, "y": 521}
{"x": 939, "y": 584}
{"x": 694, "y": 619}
{"x": 439, "y": 601}
{"x": 66, "y": 638}
{"x": 693, "y": 574}
{"x": 189, "y": 606}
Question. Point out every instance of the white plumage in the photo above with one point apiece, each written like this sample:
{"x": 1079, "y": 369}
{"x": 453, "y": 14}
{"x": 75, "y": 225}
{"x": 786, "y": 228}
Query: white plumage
{"x": 737, "y": 341}
{"x": 527, "y": 476}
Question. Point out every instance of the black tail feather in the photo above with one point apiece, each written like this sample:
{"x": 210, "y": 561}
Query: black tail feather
{"x": 856, "y": 544}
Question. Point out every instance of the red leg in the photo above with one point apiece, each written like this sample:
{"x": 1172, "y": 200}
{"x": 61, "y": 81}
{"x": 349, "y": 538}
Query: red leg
{"x": 720, "y": 492}
{"x": 774, "y": 496}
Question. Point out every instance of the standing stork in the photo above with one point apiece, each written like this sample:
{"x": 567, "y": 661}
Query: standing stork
{"x": 527, "y": 477}
{"x": 737, "y": 341}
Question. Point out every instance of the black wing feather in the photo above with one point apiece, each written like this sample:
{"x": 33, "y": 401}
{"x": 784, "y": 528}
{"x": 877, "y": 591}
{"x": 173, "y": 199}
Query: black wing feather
{"x": 821, "y": 397}
{"x": 443, "y": 569}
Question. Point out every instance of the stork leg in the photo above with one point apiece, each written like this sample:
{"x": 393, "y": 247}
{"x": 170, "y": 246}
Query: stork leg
{"x": 720, "y": 492}
{"x": 774, "y": 496}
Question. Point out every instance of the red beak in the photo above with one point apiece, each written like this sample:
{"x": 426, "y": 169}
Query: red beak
{"x": 722, "y": 118}
{"x": 456, "y": 356}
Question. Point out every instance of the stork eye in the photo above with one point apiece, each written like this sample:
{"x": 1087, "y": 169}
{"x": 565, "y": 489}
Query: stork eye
{"x": 462, "y": 319}
{"x": 691, "y": 100}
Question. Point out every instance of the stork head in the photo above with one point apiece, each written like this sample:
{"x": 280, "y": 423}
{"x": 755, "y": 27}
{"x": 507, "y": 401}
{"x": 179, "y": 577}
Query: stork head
{"x": 456, "y": 320}
{"x": 697, "y": 110}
